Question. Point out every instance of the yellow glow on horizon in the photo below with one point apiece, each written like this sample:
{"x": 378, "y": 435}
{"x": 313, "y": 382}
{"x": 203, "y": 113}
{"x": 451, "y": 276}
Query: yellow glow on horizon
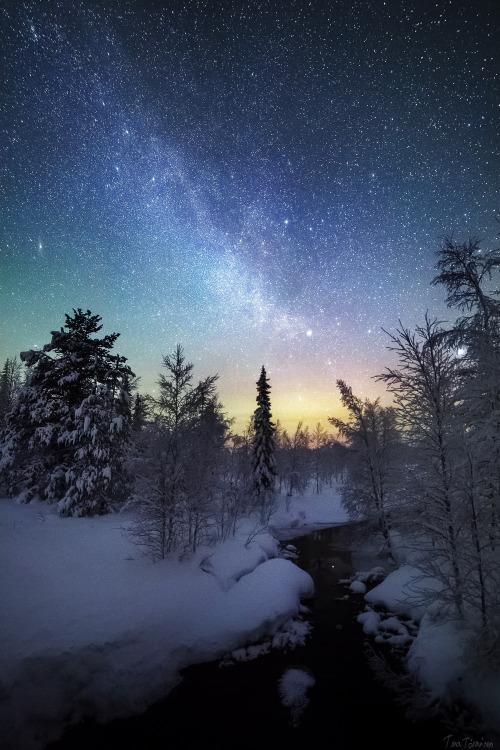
{"x": 289, "y": 408}
{"x": 292, "y": 405}
{"x": 311, "y": 396}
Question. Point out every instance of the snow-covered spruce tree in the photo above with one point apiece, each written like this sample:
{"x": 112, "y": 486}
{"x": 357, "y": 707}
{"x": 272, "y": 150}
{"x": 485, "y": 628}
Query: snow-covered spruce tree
{"x": 97, "y": 478}
{"x": 25, "y": 441}
{"x": 177, "y": 468}
{"x": 263, "y": 460}
{"x": 65, "y": 435}
{"x": 374, "y": 441}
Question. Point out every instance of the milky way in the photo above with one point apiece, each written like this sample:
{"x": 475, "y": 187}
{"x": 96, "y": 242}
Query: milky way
{"x": 262, "y": 182}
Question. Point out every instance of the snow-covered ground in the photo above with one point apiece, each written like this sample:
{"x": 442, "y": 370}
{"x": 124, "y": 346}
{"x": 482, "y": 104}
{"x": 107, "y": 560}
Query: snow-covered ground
{"x": 436, "y": 656}
{"x": 91, "y": 627}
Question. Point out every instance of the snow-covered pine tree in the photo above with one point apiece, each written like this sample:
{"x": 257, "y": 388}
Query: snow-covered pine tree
{"x": 66, "y": 432}
{"x": 96, "y": 478}
{"x": 263, "y": 459}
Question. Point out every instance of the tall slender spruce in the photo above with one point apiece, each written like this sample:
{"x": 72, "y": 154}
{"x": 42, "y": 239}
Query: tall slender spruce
{"x": 263, "y": 460}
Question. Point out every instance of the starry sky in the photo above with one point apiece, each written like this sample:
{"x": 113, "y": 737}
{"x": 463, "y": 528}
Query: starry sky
{"x": 261, "y": 182}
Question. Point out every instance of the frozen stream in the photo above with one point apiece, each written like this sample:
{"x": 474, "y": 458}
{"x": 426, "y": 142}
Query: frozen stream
{"x": 240, "y": 706}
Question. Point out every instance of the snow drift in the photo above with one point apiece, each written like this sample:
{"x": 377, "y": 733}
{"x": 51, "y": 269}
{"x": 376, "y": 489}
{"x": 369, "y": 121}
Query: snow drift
{"x": 90, "y": 627}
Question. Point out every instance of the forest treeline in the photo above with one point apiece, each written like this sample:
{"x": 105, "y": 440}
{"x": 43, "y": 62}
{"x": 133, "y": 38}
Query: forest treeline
{"x": 76, "y": 431}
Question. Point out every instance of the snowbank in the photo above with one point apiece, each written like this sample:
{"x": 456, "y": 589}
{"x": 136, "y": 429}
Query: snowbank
{"x": 402, "y": 592}
{"x": 436, "y": 656}
{"x": 90, "y": 627}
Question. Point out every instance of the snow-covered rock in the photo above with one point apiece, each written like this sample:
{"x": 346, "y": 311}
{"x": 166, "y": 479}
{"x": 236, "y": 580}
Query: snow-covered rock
{"x": 358, "y": 587}
{"x": 293, "y": 687}
{"x": 370, "y": 621}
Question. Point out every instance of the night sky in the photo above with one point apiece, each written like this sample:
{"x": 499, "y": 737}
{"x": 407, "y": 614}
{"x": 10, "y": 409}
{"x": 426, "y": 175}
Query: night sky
{"x": 261, "y": 182}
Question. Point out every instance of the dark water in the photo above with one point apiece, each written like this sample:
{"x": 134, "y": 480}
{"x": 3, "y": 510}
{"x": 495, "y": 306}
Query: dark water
{"x": 239, "y": 706}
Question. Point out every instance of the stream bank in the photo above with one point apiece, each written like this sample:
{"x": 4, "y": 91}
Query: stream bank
{"x": 241, "y": 705}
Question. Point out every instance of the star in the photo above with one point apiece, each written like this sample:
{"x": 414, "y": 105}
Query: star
{"x": 274, "y": 179}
